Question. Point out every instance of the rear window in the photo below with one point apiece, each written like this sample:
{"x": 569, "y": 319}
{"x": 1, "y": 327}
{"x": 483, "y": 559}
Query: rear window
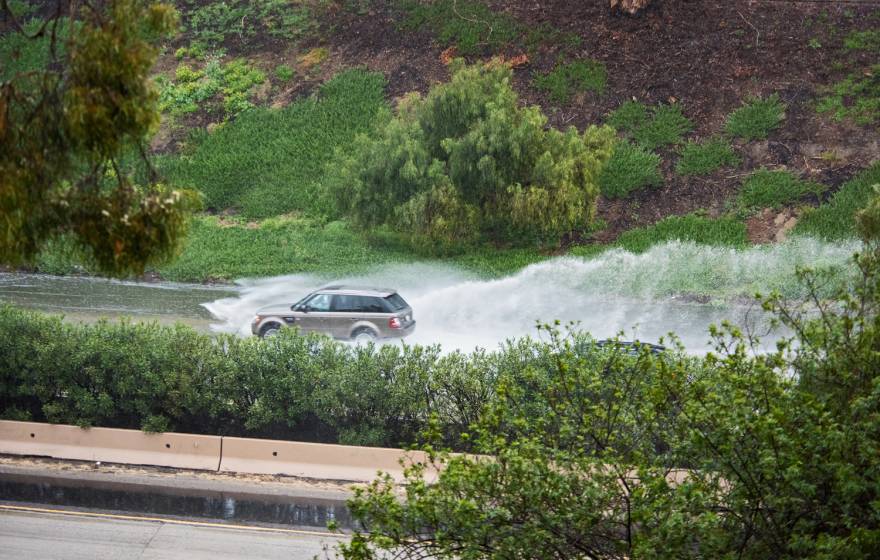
{"x": 396, "y": 303}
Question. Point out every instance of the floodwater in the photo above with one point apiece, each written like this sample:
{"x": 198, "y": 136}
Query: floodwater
{"x": 644, "y": 296}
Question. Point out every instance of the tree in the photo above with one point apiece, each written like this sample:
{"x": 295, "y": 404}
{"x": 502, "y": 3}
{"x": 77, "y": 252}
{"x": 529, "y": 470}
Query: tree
{"x": 468, "y": 163}
{"x": 606, "y": 456}
{"x": 65, "y": 126}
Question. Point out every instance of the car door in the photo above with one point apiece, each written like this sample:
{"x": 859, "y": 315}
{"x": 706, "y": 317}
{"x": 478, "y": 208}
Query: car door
{"x": 314, "y": 314}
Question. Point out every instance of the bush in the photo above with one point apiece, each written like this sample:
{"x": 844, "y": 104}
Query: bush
{"x": 630, "y": 168}
{"x": 566, "y": 80}
{"x": 756, "y": 118}
{"x": 772, "y": 189}
{"x": 663, "y": 125}
{"x": 701, "y": 158}
{"x": 834, "y": 219}
{"x": 467, "y": 163}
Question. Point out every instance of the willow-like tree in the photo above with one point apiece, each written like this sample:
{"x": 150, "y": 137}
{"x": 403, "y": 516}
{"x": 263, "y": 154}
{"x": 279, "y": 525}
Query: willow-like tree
{"x": 64, "y": 127}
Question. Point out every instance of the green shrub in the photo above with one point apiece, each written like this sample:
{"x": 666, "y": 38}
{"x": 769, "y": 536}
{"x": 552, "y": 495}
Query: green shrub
{"x": 834, "y": 220}
{"x": 723, "y": 231}
{"x": 856, "y": 97}
{"x": 471, "y": 26}
{"x": 212, "y": 24}
{"x": 566, "y": 80}
{"x": 862, "y": 41}
{"x": 628, "y": 117}
{"x": 667, "y": 126}
{"x": 706, "y": 157}
{"x": 663, "y": 125}
{"x": 468, "y": 163}
{"x": 284, "y": 73}
{"x": 756, "y": 118}
{"x": 630, "y": 168}
{"x": 196, "y": 90}
{"x": 269, "y": 162}
{"x": 772, "y": 189}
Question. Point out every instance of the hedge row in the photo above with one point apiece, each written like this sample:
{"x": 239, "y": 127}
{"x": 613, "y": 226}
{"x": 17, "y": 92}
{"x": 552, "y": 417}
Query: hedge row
{"x": 309, "y": 388}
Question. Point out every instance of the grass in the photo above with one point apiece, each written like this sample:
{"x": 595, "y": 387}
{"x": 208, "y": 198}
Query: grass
{"x": 724, "y": 231}
{"x": 20, "y": 54}
{"x": 661, "y": 126}
{"x": 756, "y": 118}
{"x": 773, "y": 189}
{"x": 471, "y": 26}
{"x": 834, "y": 220}
{"x": 706, "y": 157}
{"x": 856, "y": 97}
{"x": 567, "y": 80}
{"x": 630, "y": 168}
{"x": 269, "y": 162}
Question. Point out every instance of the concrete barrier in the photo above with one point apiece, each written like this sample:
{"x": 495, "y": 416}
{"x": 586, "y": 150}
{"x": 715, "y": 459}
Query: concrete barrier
{"x": 184, "y": 451}
{"x": 314, "y": 460}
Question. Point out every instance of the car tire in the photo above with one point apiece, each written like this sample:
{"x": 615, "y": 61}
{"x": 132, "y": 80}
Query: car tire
{"x": 363, "y": 336}
{"x": 270, "y": 330}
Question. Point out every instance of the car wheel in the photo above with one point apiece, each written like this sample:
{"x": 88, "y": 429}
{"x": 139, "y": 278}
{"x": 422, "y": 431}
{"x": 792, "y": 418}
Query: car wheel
{"x": 363, "y": 337}
{"x": 270, "y": 330}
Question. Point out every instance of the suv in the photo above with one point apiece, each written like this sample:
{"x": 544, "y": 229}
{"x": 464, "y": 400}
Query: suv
{"x": 360, "y": 314}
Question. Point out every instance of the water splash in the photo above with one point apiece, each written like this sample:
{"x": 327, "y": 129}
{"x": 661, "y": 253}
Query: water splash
{"x": 644, "y": 296}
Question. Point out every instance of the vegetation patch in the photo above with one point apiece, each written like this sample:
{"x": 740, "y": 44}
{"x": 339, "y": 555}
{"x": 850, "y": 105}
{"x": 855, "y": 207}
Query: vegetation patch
{"x": 835, "y": 220}
{"x": 630, "y": 168}
{"x": 756, "y": 118}
{"x": 217, "y": 85}
{"x": 705, "y": 157}
{"x": 569, "y": 79}
{"x": 772, "y": 189}
{"x": 660, "y": 126}
{"x": 489, "y": 170}
{"x": 269, "y": 162}
{"x": 471, "y": 26}
{"x": 723, "y": 231}
{"x": 20, "y": 54}
{"x": 856, "y": 97}
{"x": 211, "y": 25}
{"x": 862, "y": 41}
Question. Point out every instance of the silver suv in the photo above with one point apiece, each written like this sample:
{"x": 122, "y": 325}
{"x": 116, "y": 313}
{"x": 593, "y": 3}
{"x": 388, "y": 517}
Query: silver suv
{"x": 360, "y": 314}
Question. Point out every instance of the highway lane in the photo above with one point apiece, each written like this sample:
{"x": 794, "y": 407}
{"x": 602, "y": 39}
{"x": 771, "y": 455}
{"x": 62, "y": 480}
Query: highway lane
{"x": 38, "y": 534}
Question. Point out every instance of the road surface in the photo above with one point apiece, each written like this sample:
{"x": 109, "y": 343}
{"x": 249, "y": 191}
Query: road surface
{"x": 38, "y": 534}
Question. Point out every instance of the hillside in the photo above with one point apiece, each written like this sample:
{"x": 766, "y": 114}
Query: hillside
{"x": 737, "y": 120}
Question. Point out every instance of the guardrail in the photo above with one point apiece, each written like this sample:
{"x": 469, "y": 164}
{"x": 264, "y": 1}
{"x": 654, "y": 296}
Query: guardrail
{"x": 212, "y": 453}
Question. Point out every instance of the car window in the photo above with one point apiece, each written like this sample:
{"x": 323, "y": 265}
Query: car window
{"x": 396, "y": 303}
{"x": 344, "y": 304}
{"x": 371, "y": 305}
{"x": 321, "y": 302}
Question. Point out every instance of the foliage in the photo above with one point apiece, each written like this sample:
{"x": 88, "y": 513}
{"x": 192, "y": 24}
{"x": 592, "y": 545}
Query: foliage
{"x": 723, "y": 231}
{"x": 194, "y": 89}
{"x": 734, "y": 455}
{"x": 470, "y": 25}
{"x": 630, "y": 168}
{"x": 661, "y": 126}
{"x": 284, "y": 72}
{"x": 567, "y": 80}
{"x": 23, "y": 52}
{"x": 862, "y": 41}
{"x": 756, "y": 118}
{"x": 706, "y": 157}
{"x": 269, "y": 162}
{"x": 83, "y": 107}
{"x": 467, "y": 163}
{"x": 212, "y": 25}
{"x": 772, "y": 189}
{"x": 834, "y": 219}
{"x": 856, "y": 97}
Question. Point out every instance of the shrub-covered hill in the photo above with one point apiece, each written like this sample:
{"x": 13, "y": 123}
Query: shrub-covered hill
{"x": 748, "y": 113}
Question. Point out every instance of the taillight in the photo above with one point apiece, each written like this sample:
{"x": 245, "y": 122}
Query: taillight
{"x": 394, "y": 323}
